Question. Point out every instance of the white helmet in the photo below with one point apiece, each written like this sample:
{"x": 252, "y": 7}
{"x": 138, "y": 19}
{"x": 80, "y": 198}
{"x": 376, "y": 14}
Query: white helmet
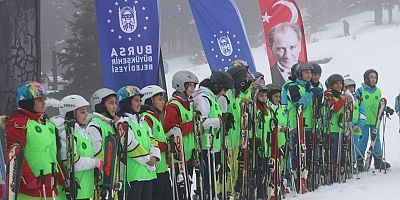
{"x": 71, "y": 103}
{"x": 149, "y": 91}
{"x": 180, "y": 78}
{"x": 349, "y": 81}
{"x": 99, "y": 95}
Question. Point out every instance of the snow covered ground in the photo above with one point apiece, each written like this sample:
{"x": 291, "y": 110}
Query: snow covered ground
{"x": 370, "y": 46}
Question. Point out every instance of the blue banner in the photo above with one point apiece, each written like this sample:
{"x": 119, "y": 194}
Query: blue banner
{"x": 129, "y": 42}
{"x": 221, "y": 32}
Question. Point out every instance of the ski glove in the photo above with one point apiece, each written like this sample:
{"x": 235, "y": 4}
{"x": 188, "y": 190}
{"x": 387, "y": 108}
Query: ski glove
{"x": 229, "y": 122}
{"x": 308, "y": 87}
{"x": 98, "y": 163}
{"x": 317, "y": 91}
{"x": 356, "y": 129}
{"x": 389, "y": 111}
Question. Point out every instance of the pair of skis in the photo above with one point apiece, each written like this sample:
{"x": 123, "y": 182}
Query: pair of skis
{"x": 274, "y": 162}
{"x": 180, "y": 178}
{"x": 72, "y": 186}
{"x": 301, "y": 150}
{"x": 374, "y": 135}
{"x": 115, "y": 164}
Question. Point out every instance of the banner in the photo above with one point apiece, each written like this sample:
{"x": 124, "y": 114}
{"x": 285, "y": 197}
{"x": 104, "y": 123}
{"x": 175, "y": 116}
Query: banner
{"x": 221, "y": 32}
{"x": 129, "y": 42}
{"x": 284, "y": 35}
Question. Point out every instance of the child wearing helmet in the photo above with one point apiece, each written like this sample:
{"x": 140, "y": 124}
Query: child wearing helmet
{"x": 73, "y": 108}
{"x": 263, "y": 134}
{"x": 370, "y": 96}
{"x": 104, "y": 107}
{"x": 153, "y": 106}
{"x": 358, "y": 120}
{"x": 103, "y": 121}
{"x": 205, "y": 102}
{"x": 179, "y": 113}
{"x": 301, "y": 92}
{"x": 145, "y": 154}
{"x": 280, "y": 113}
{"x": 335, "y": 100}
{"x": 30, "y": 127}
{"x": 230, "y": 104}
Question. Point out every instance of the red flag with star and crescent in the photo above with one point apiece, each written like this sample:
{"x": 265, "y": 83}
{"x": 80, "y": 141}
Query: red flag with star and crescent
{"x": 287, "y": 38}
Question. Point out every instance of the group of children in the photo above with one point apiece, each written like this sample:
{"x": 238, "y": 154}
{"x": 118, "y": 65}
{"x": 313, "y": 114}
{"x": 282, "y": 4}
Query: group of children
{"x": 222, "y": 101}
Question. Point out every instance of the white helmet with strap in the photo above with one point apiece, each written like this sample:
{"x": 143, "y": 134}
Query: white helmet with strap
{"x": 149, "y": 91}
{"x": 71, "y": 103}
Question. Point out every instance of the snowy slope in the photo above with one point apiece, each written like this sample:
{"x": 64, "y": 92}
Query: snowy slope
{"x": 370, "y": 46}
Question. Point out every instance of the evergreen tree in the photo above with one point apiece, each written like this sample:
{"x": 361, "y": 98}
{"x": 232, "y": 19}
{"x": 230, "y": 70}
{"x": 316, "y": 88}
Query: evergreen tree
{"x": 81, "y": 57}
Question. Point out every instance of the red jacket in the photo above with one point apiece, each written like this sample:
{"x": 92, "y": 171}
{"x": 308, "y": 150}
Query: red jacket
{"x": 161, "y": 145}
{"x": 263, "y": 106}
{"x": 173, "y": 118}
{"x": 336, "y": 106}
{"x": 16, "y": 132}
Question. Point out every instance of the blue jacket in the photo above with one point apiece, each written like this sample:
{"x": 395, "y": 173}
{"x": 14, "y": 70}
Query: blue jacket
{"x": 366, "y": 87}
{"x": 361, "y": 120}
{"x": 396, "y": 104}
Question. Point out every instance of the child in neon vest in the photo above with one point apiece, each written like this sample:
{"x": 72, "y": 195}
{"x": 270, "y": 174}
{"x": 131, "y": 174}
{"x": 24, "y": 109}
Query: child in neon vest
{"x": 74, "y": 107}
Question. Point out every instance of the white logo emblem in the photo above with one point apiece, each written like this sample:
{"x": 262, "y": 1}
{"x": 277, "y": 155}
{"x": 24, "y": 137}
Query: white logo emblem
{"x": 127, "y": 19}
{"x": 225, "y": 45}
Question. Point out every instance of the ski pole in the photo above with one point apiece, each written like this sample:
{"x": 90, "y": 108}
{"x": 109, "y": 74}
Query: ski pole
{"x": 208, "y": 138}
{"x": 53, "y": 184}
{"x": 43, "y": 185}
{"x": 383, "y": 145}
{"x": 213, "y": 163}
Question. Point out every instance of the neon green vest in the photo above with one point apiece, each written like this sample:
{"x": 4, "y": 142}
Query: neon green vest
{"x": 215, "y": 112}
{"x": 370, "y": 103}
{"x": 356, "y": 115}
{"x": 84, "y": 148}
{"x": 264, "y": 129}
{"x": 40, "y": 149}
{"x": 105, "y": 131}
{"x": 136, "y": 171}
{"x": 188, "y": 140}
{"x": 234, "y": 109}
{"x": 282, "y": 122}
{"x": 159, "y": 135}
{"x": 335, "y": 118}
{"x": 307, "y": 111}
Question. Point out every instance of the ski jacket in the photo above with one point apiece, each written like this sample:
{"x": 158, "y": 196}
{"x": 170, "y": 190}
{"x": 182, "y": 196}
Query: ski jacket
{"x": 298, "y": 94}
{"x": 179, "y": 112}
{"x": 99, "y": 127}
{"x": 234, "y": 109}
{"x": 263, "y": 128}
{"x": 205, "y": 102}
{"x": 284, "y": 93}
{"x": 84, "y": 162}
{"x": 38, "y": 135}
{"x": 396, "y": 104}
{"x": 336, "y": 107}
{"x": 280, "y": 114}
{"x": 137, "y": 170}
{"x": 358, "y": 115}
{"x": 154, "y": 123}
{"x": 370, "y": 98}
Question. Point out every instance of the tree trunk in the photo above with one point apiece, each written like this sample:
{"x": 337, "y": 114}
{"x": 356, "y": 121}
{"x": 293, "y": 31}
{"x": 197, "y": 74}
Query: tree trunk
{"x": 378, "y": 12}
{"x": 390, "y": 11}
{"x": 19, "y": 48}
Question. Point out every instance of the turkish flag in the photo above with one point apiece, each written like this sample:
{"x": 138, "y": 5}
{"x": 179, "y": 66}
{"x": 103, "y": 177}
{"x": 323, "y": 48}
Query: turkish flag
{"x": 283, "y": 27}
